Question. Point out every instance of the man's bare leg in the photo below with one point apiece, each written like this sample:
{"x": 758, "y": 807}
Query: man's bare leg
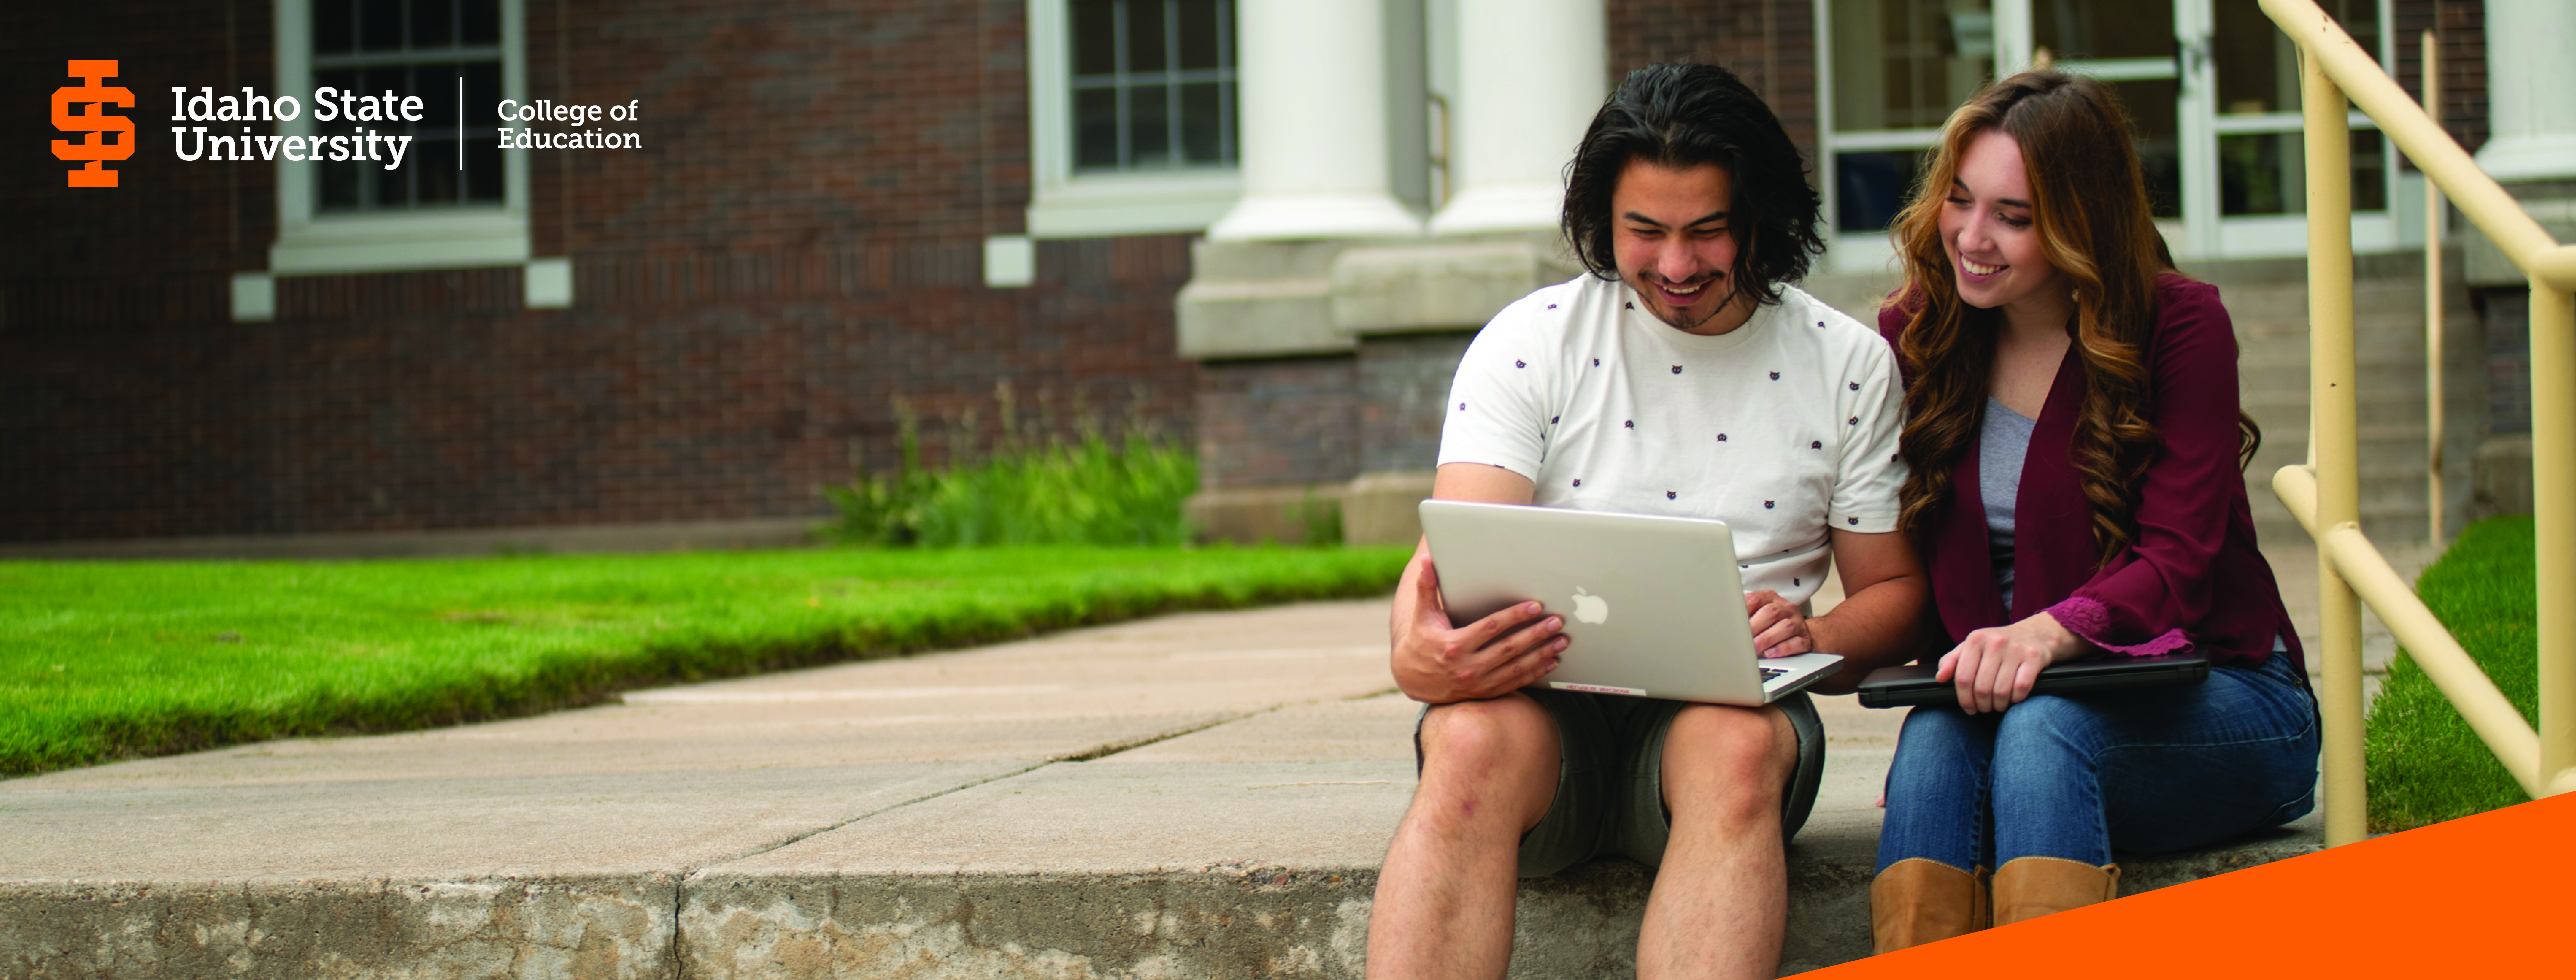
{"x": 1444, "y": 898}
{"x": 1721, "y": 899}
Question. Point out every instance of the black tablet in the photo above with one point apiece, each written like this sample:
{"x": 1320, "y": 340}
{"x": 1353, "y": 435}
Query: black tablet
{"x": 1896, "y": 687}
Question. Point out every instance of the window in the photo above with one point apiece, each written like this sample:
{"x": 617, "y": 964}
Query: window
{"x": 2211, "y": 91}
{"x": 438, "y": 50}
{"x": 1899, "y": 67}
{"x": 1132, "y": 116}
{"x": 435, "y": 211}
{"x": 1153, "y": 84}
{"x": 2131, "y": 48}
{"x": 2262, "y": 160}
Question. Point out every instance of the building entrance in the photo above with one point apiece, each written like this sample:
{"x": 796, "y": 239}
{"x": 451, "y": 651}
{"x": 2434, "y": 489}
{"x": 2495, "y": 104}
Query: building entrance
{"x": 2211, "y": 86}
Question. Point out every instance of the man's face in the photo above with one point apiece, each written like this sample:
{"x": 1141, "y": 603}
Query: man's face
{"x": 1672, "y": 245}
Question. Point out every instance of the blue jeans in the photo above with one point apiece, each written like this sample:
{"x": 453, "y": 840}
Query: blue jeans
{"x": 2074, "y": 778}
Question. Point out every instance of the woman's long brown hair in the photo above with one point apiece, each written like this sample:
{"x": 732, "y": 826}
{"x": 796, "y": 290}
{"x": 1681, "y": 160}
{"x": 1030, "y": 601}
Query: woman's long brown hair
{"x": 2089, "y": 205}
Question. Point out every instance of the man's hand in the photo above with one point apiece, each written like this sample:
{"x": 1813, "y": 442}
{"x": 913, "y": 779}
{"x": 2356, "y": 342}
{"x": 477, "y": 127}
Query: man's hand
{"x": 1779, "y": 629}
{"x": 1437, "y": 663}
{"x": 1996, "y": 666}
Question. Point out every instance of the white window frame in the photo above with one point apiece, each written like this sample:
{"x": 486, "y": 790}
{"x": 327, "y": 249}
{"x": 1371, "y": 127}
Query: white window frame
{"x": 445, "y": 238}
{"x": 1063, "y": 204}
{"x": 2202, "y": 233}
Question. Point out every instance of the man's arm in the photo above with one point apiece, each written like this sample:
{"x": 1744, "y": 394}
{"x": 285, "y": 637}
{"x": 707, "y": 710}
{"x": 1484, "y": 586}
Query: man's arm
{"x": 1880, "y": 622}
{"x": 1437, "y": 662}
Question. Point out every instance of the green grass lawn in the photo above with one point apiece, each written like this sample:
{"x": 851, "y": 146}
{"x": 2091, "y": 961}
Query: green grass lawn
{"x": 109, "y": 660}
{"x": 2425, "y": 764}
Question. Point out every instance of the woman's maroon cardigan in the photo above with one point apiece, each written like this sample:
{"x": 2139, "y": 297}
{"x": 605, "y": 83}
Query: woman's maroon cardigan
{"x": 2193, "y": 579}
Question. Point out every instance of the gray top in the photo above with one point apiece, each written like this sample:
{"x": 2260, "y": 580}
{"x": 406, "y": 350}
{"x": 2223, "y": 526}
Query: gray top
{"x": 2002, "y": 441}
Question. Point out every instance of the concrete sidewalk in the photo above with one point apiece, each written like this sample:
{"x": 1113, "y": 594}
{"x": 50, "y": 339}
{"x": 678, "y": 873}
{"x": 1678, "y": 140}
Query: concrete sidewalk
{"x": 1203, "y": 795}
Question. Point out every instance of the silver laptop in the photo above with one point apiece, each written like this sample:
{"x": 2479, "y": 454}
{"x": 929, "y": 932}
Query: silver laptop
{"x": 1653, "y": 606}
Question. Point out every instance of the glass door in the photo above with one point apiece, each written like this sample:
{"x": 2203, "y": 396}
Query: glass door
{"x": 1895, "y": 70}
{"x": 2254, "y": 191}
{"x": 2129, "y": 46}
{"x": 2210, "y": 85}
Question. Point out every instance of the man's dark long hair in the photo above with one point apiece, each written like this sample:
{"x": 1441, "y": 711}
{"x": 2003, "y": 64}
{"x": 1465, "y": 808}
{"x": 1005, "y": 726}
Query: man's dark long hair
{"x": 1682, "y": 116}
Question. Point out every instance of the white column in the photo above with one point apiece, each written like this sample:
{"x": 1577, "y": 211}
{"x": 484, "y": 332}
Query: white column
{"x": 1531, "y": 74}
{"x": 2531, "y": 90}
{"x": 1314, "y": 118}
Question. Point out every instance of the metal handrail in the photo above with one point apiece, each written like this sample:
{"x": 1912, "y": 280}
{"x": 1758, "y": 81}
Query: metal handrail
{"x": 2489, "y": 714}
{"x": 2325, "y": 496}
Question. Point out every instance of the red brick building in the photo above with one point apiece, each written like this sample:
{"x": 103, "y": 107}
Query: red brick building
{"x": 798, "y": 244}
{"x": 835, "y": 207}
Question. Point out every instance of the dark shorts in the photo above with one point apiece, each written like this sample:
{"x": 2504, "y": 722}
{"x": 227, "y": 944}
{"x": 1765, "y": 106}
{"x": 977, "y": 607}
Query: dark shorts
{"x": 1609, "y": 785}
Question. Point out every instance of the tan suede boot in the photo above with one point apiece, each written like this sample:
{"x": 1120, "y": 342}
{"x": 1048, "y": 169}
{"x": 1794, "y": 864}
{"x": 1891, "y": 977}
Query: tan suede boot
{"x": 2030, "y": 887}
{"x": 1919, "y": 900}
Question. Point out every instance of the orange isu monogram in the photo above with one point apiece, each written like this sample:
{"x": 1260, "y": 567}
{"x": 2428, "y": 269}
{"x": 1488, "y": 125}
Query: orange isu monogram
{"x": 110, "y": 137}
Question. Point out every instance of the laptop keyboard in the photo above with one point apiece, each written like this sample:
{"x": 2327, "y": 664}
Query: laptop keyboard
{"x": 1770, "y": 672}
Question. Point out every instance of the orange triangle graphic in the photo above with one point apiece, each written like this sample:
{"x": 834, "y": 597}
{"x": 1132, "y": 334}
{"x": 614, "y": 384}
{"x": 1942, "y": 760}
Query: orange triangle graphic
{"x": 2481, "y": 896}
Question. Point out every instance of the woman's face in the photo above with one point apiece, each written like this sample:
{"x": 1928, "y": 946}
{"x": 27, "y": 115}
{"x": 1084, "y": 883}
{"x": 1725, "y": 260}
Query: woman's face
{"x": 1986, "y": 228}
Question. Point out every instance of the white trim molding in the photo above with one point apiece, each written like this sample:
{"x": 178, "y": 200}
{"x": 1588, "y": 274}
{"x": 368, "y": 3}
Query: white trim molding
{"x": 546, "y": 284}
{"x": 254, "y": 296}
{"x": 445, "y": 238}
{"x": 1010, "y": 262}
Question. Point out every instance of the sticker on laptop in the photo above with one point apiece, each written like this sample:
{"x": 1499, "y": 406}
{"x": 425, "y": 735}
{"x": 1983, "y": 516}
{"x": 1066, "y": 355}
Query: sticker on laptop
{"x": 1634, "y": 692}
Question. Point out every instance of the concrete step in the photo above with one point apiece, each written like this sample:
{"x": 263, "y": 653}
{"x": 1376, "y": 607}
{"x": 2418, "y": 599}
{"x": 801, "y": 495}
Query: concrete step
{"x": 2380, "y": 488}
{"x": 2390, "y": 333}
{"x": 2377, "y": 302}
{"x": 2397, "y": 466}
{"x": 2386, "y": 528}
{"x": 2399, "y": 328}
{"x": 2285, "y": 416}
{"x": 2376, "y": 375}
{"x": 925, "y": 817}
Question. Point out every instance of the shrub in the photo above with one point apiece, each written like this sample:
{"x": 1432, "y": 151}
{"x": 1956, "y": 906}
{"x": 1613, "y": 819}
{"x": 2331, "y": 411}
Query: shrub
{"x": 1079, "y": 492}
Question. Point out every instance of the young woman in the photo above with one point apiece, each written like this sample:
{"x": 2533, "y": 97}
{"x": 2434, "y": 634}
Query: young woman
{"x": 2077, "y": 488}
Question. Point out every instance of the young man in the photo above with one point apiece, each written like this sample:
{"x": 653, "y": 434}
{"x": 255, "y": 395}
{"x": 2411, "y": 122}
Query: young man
{"x": 1681, "y": 376}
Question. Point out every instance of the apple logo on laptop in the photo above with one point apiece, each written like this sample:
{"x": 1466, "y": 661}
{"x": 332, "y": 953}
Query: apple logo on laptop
{"x": 1590, "y": 608}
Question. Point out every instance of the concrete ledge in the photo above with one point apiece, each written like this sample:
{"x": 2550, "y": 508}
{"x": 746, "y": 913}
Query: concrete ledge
{"x": 883, "y": 818}
{"x": 1252, "y": 515}
{"x": 1225, "y": 923}
{"x": 2552, "y": 203}
{"x": 605, "y": 927}
{"x": 1455, "y": 284}
{"x": 1243, "y": 919}
{"x": 1259, "y": 299}
{"x": 2501, "y": 478}
{"x": 1384, "y": 508}
{"x": 763, "y": 532}
{"x": 1218, "y": 923}
{"x": 1374, "y": 508}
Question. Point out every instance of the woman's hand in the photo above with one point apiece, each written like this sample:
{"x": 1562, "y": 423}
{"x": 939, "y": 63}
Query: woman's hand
{"x": 1779, "y": 629}
{"x": 1996, "y": 666}
{"x": 1437, "y": 663}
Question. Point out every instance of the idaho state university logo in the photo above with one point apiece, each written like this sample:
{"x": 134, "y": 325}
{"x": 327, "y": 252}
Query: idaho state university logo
{"x": 110, "y": 137}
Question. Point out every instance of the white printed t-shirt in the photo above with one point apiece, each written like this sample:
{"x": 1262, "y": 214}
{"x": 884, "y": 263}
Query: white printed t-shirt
{"x": 1781, "y": 427}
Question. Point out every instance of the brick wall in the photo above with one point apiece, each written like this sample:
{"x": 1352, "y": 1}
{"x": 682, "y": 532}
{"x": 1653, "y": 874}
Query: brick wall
{"x": 1277, "y": 422}
{"x": 1771, "y": 44}
{"x": 2463, "y": 27}
{"x": 1403, "y": 381}
{"x": 797, "y": 248}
